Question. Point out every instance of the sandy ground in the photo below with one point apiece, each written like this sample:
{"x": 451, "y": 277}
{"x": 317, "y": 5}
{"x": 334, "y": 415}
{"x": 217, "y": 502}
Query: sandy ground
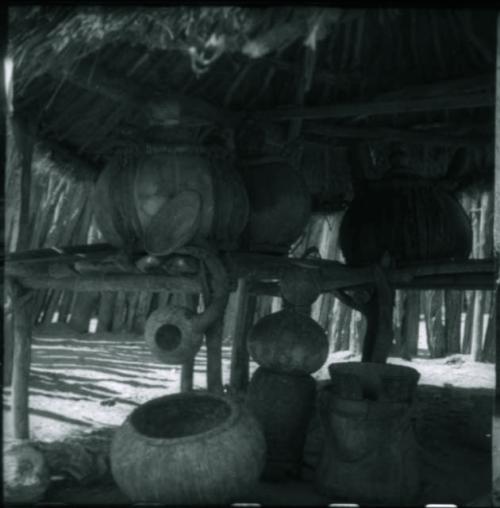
{"x": 77, "y": 385}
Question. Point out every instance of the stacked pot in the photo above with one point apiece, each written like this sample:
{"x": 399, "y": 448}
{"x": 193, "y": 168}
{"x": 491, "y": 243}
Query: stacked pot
{"x": 288, "y": 346}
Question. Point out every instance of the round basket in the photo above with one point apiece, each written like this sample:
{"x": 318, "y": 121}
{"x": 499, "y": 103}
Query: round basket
{"x": 373, "y": 381}
{"x": 188, "y": 448}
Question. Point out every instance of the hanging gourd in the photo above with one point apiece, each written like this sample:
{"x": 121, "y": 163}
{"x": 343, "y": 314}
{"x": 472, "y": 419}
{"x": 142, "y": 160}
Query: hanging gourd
{"x": 174, "y": 333}
{"x": 168, "y": 197}
{"x": 409, "y": 217}
{"x": 280, "y": 205}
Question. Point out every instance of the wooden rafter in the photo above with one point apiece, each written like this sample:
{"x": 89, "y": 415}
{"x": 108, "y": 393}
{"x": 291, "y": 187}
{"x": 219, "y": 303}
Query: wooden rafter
{"x": 402, "y": 106}
{"x": 429, "y": 137}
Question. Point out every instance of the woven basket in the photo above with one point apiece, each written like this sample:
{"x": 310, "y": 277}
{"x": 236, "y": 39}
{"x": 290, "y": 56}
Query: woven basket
{"x": 191, "y": 448}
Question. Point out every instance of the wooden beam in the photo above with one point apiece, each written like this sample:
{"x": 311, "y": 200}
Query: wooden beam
{"x": 261, "y": 268}
{"x": 427, "y": 137}
{"x": 114, "y": 282}
{"x": 22, "y": 306}
{"x": 394, "y": 107}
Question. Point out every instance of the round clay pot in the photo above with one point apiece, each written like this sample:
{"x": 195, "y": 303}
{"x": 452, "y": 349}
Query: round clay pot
{"x": 288, "y": 342}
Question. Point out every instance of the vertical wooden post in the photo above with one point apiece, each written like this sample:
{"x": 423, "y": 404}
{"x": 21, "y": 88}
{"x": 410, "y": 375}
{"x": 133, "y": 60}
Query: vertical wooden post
{"x": 411, "y": 324}
{"x": 84, "y": 305}
{"x": 496, "y": 231}
{"x": 213, "y": 337}
{"x": 433, "y": 301}
{"x": 477, "y": 335}
{"x": 379, "y": 321}
{"x": 24, "y": 139}
{"x": 8, "y": 343}
{"x": 187, "y": 371}
{"x": 453, "y": 319}
{"x": 105, "y": 314}
{"x": 22, "y": 305}
{"x": 240, "y": 319}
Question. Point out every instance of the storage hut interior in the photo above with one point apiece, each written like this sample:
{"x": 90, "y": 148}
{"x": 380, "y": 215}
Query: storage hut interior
{"x": 249, "y": 255}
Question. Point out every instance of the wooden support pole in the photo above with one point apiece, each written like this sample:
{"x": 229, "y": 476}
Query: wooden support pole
{"x": 25, "y": 146}
{"x": 83, "y": 308}
{"x": 453, "y": 300}
{"x": 187, "y": 375}
{"x": 213, "y": 337}
{"x": 105, "y": 314}
{"x": 8, "y": 344}
{"x": 187, "y": 371}
{"x": 239, "y": 319}
{"x": 22, "y": 304}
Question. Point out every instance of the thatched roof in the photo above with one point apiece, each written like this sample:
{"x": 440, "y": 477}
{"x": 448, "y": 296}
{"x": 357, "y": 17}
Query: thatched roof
{"x": 324, "y": 82}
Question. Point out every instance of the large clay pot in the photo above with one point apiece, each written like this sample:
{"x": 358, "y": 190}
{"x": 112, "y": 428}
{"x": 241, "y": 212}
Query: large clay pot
{"x": 173, "y": 196}
{"x": 370, "y": 453}
{"x": 283, "y": 404}
{"x": 190, "y": 448}
{"x": 410, "y": 218}
{"x": 280, "y": 205}
{"x": 288, "y": 342}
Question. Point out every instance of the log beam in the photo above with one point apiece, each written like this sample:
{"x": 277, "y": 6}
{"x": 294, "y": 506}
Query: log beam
{"x": 125, "y": 282}
{"x": 262, "y": 272}
{"x": 379, "y": 107}
{"x": 421, "y": 137}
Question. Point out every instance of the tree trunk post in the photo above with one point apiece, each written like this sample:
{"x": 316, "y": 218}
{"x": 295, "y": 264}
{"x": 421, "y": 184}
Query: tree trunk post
{"x": 240, "y": 319}
{"x": 22, "y": 305}
{"x": 410, "y": 325}
{"x": 187, "y": 370}
{"x": 105, "y": 315}
{"x": 453, "y": 320}
{"x": 379, "y": 320}
{"x": 213, "y": 336}
{"x": 83, "y": 308}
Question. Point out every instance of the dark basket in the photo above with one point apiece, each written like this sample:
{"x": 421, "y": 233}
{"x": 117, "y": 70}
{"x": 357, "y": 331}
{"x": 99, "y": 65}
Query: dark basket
{"x": 373, "y": 381}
